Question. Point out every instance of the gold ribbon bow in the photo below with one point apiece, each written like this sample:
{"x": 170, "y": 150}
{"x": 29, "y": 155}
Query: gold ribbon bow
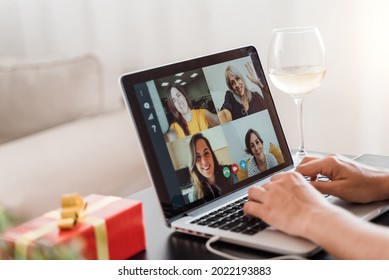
{"x": 72, "y": 210}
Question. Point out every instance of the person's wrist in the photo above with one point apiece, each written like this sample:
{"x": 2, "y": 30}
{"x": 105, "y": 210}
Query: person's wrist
{"x": 320, "y": 222}
{"x": 380, "y": 180}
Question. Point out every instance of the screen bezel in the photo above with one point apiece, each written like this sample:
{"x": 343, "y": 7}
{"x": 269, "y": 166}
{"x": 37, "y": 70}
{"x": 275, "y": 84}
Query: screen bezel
{"x": 129, "y": 80}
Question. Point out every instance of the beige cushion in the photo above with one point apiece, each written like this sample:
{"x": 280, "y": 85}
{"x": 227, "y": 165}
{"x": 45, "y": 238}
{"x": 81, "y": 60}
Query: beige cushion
{"x": 99, "y": 154}
{"x": 40, "y": 95}
{"x": 276, "y": 152}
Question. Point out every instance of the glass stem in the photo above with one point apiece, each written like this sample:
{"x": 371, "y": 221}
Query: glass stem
{"x": 301, "y": 153}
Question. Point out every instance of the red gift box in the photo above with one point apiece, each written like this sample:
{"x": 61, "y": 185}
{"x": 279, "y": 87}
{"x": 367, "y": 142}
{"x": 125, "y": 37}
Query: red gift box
{"x": 112, "y": 228}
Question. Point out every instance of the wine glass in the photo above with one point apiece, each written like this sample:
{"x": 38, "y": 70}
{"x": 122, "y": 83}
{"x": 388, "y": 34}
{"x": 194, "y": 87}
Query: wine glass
{"x": 297, "y": 65}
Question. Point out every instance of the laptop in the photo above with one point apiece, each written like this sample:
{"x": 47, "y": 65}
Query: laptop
{"x": 193, "y": 131}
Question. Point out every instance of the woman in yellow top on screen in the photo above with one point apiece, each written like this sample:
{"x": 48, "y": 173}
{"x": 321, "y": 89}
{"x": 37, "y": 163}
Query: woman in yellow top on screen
{"x": 187, "y": 121}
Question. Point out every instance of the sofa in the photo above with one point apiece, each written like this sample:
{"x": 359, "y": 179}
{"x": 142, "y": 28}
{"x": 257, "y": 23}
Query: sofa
{"x": 62, "y": 131}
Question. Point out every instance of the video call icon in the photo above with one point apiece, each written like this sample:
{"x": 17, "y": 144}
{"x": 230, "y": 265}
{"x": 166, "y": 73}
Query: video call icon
{"x": 226, "y": 172}
{"x": 235, "y": 168}
{"x": 243, "y": 165}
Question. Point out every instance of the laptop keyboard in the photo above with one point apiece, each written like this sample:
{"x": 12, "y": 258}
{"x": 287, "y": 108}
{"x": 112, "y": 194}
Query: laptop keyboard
{"x": 231, "y": 217}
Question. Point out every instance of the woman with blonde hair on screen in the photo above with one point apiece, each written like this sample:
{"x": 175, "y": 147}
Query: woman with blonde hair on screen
{"x": 239, "y": 100}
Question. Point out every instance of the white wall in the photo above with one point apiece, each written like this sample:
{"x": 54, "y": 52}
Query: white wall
{"x": 346, "y": 115}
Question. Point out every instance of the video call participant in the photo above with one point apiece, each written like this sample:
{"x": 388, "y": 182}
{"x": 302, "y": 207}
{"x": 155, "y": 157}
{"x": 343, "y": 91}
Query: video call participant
{"x": 207, "y": 174}
{"x": 260, "y": 161}
{"x": 239, "y": 101}
{"x": 187, "y": 121}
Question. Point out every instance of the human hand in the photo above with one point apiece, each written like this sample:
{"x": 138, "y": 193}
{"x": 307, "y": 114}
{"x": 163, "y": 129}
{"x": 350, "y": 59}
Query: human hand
{"x": 171, "y": 135}
{"x": 212, "y": 118}
{"x": 224, "y": 116}
{"x": 288, "y": 202}
{"x": 350, "y": 180}
{"x": 252, "y": 75}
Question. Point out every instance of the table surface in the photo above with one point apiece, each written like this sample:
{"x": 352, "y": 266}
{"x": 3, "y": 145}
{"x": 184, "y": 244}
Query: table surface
{"x": 162, "y": 243}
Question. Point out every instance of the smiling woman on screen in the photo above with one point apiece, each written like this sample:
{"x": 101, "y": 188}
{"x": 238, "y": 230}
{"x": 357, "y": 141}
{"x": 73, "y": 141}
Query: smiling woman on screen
{"x": 187, "y": 121}
{"x": 210, "y": 179}
{"x": 239, "y": 100}
{"x": 260, "y": 161}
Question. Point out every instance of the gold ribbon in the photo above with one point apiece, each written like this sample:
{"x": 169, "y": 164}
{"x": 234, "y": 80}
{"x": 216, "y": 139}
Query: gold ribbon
{"x": 99, "y": 226}
{"x": 100, "y": 229}
{"x": 23, "y": 241}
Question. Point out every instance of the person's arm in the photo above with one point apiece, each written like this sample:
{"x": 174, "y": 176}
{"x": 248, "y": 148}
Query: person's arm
{"x": 212, "y": 119}
{"x": 224, "y": 116}
{"x": 252, "y": 76}
{"x": 288, "y": 202}
{"x": 345, "y": 236}
{"x": 350, "y": 180}
{"x": 171, "y": 135}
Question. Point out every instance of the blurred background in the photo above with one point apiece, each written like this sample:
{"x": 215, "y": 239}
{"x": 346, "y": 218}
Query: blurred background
{"x": 347, "y": 114}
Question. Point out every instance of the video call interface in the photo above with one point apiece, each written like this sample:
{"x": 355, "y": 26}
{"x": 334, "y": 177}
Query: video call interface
{"x": 216, "y": 128}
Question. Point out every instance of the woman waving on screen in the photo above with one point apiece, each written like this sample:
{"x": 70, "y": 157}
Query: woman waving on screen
{"x": 239, "y": 100}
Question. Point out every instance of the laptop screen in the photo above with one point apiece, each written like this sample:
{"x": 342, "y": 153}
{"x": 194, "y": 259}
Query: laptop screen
{"x": 208, "y": 127}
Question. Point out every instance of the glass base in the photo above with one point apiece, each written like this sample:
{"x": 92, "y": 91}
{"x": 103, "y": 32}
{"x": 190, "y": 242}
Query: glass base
{"x": 299, "y": 155}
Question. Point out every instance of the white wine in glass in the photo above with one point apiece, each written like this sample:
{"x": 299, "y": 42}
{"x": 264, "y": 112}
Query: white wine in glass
{"x": 297, "y": 65}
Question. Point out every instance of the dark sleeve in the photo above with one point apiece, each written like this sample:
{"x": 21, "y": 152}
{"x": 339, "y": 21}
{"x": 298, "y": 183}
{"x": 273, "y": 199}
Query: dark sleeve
{"x": 210, "y": 191}
{"x": 258, "y": 101}
{"x": 227, "y": 101}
